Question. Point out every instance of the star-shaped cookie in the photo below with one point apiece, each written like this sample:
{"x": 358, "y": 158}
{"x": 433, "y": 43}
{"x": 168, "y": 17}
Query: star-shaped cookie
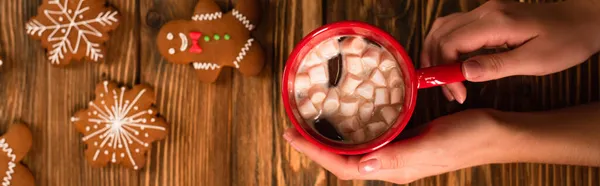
{"x": 213, "y": 40}
{"x": 14, "y": 145}
{"x": 120, "y": 124}
{"x": 73, "y": 29}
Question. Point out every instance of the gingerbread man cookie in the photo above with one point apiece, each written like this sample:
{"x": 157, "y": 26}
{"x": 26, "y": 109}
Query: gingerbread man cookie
{"x": 73, "y": 29}
{"x": 213, "y": 40}
{"x": 120, "y": 124}
{"x": 14, "y": 145}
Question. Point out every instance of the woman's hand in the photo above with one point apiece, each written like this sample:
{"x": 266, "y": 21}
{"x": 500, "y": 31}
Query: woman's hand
{"x": 548, "y": 37}
{"x": 449, "y": 143}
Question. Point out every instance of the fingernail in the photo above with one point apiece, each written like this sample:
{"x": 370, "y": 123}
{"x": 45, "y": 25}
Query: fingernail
{"x": 287, "y": 137}
{"x": 369, "y": 166}
{"x": 448, "y": 94}
{"x": 472, "y": 69}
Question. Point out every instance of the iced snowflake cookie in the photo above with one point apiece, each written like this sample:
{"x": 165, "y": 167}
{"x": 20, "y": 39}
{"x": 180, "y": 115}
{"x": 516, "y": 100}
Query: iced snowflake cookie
{"x": 119, "y": 125}
{"x": 213, "y": 40}
{"x": 14, "y": 145}
{"x": 73, "y": 29}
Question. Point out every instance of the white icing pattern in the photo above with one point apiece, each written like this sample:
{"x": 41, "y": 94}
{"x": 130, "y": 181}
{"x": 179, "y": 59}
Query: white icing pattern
{"x": 117, "y": 127}
{"x": 184, "y": 42}
{"x": 243, "y": 53}
{"x": 205, "y": 66}
{"x": 11, "y": 164}
{"x": 207, "y": 17}
{"x": 239, "y": 16}
{"x": 71, "y": 21}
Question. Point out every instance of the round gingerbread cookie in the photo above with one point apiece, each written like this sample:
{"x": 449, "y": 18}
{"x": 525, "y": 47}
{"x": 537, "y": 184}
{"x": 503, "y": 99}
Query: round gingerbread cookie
{"x": 212, "y": 40}
{"x": 73, "y": 29}
{"x": 119, "y": 125}
{"x": 14, "y": 145}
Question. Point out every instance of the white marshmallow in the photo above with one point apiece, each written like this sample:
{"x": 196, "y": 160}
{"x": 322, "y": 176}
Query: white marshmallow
{"x": 377, "y": 78}
{"x": 353, "y": 45}
{"x": 396, "y": 95}
{"x": 307, "y": 109}
{"x": 318, "y": 75}
{"x": 332, "y": 102}
{"x": 382, "y": 97}
{"x": 371, "y": 57}
{"x": 387, "y": 64}
{"x": 350, "y": 83}
{"x": 358, "y": 136}
{"x": 365, "y": 90}
{"x": 317, "y": 94}
{"x": 349, "y": 125}
{"x": 375, "y": 129}
{"x": 329, "y": 48}
{"x": 394, "y": 79}
{"x": 302, "y": 82}
{"x": 348, "y": 106}
{"x": 313, "y": 59}
{"x": 353, "y": 64}
{"x": 366, "y": 111}
{"x": 389, "y": 114}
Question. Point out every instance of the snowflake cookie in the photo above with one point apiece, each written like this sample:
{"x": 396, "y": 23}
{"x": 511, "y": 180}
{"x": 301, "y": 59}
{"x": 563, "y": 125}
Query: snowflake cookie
{"x": 73, "y": 29}
{"x": 119, "y": 125}
{"x": 213, "y": 40}
{"x": 14, "y": 146}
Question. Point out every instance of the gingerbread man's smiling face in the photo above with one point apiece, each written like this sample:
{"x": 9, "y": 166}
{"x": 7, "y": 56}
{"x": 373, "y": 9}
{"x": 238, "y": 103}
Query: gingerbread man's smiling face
{"x": 177, "y": 44}
{"x": 212, "y": 40}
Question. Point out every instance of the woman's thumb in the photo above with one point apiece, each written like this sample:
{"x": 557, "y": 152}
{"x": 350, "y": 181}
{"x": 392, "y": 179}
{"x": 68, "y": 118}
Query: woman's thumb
{"x": 384, "y": 159}
{"x": 488, "y": 67}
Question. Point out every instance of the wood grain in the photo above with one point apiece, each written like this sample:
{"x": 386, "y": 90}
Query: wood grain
{"x": 229, "y": 132}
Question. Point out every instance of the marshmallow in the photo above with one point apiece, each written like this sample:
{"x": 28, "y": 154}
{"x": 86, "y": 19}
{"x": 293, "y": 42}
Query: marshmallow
{"x": 375, "y": 129}
{"x": 389, "y": 114}
{"x": 318, "y": 75}
{"x": 329, "y": 48}
{"x": 377, "y": 78}
{"x": 358, "y": 136}
{"x": 365, "y": 111}
{"x": 353, "y": 45}
{"x": 353, "y": 64}
{"x": 394, "y": 79}
{"x": 387, "y": 64}
{"x": 302, "y": 82}
{"x": 348, "y": 106}
{"x": 332, "y": 102}
{"x": 350, "y": 83}
{"x": 396, "y": 95}
{"x": 307, "y": 109}
{"x": 317, "y": 94}
{"x": 313, "y": 59}
{"x": 382, "y": 97}
{"x": 365, "y": 90}
{"x": 349, "y": 125}
{"x": 371, "y": 57}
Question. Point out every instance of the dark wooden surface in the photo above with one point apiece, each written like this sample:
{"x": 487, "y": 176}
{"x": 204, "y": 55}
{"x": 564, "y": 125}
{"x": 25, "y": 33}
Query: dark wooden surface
{"x": 229, "y": 132}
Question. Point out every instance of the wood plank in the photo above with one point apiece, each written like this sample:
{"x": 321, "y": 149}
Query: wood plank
{"x": 253, "y": 133}
{"x": 294, "y": 19}
{"x": 198, "y": 149}
{"x": 45, "y": 97}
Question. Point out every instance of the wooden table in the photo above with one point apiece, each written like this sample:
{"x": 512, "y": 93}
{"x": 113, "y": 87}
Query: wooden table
{"x": 229, "y": 132}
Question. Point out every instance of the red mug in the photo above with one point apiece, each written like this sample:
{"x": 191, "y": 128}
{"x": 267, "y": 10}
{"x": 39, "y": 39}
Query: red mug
{"x": 415, "y": 79}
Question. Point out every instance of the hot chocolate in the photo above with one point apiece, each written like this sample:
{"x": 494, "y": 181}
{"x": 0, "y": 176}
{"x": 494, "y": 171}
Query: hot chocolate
{"x": 349, "y": 89}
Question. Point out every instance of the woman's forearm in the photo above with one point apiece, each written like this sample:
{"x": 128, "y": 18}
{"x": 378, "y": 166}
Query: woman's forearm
{"x": 566, "y": 136}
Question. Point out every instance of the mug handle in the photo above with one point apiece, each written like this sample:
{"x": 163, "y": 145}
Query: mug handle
{"x": 439, "y": 75}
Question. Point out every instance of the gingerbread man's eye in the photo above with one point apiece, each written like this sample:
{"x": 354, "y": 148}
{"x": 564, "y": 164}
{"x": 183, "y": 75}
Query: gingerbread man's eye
{"x": 171, "y": 51}
{"x": 170, "y": 36}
